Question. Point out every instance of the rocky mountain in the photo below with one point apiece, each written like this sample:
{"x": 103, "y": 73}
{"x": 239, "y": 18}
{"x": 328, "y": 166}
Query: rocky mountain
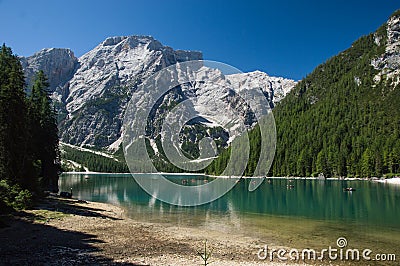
{"x": 58, "y": 64}
{"x": 91, "y": 93}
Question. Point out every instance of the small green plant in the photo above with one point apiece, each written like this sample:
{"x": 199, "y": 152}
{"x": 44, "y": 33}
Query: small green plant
{"x": 23, "y": 199}
{"x": 46, "y": 215}
{"x": 205, "y": 255}
{"x": 13, "y": 197}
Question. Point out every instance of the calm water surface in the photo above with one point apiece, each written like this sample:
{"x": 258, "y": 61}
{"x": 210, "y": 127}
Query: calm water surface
{"x": 312, "y": 212}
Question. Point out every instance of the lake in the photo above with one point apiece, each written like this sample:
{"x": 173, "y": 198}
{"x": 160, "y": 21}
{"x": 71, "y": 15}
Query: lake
{"x": 307, "y": 213}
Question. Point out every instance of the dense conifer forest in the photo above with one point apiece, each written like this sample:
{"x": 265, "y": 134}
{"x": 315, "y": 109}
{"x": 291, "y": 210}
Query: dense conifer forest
{"x": 338, "y": 121}
{"x": 29, "y": 154}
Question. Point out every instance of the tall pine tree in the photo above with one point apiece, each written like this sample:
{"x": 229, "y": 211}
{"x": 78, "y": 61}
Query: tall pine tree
{"x": 29, "y": 154}
{"x": 44, "y": 134}
{"x": 14, "y": 161}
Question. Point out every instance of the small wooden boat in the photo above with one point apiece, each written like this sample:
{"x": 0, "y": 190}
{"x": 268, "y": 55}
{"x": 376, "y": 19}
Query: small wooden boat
{"x": 349, "y": 189}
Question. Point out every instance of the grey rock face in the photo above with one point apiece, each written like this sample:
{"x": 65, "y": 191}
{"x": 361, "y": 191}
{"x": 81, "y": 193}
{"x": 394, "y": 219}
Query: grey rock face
{"x": 389, "y": 62}
{"x": 59, "y": 65}
{"x": 102, "y": 86}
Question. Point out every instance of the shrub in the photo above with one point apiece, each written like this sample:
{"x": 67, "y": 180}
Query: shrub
{"x": 22, "y": 200}
{"x": 13, "y": 197}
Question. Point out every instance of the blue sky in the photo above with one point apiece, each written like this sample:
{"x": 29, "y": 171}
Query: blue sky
{"x": 284, "y": 38}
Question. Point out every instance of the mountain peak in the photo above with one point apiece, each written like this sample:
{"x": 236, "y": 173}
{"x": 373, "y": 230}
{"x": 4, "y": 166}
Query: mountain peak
{"x": 124, "y": 43}
{"x": 120, "y": 61}
{"x": 133, "y": 39}
{"x": 55, "y": 51}
{"x": 95, "y": 90}
{"x": 58, "y": 64}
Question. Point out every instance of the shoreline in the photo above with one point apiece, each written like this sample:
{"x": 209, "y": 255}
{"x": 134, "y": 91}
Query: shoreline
{"x": 60, "y": 231}
{"x": 72, "y": 232}
{"x": 393, "y": 180}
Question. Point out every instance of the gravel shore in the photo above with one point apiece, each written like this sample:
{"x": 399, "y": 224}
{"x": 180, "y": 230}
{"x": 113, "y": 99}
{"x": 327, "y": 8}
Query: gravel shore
{"x": 69, "y": 232}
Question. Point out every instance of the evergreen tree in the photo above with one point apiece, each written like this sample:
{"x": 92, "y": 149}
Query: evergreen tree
{"x": 367, "y": 163}
{"x": 14, "y": 161}
{"x": 44, "y": 135}
{"x": 29, "y": 156}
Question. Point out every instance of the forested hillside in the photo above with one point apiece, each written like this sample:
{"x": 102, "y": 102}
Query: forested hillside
{"x": 344, "y": 118}
{"x": 92, "y": 161}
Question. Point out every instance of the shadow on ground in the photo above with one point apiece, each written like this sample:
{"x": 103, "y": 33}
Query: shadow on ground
{"x": 70, "y": 206}
{"x": 25, "y": 242}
